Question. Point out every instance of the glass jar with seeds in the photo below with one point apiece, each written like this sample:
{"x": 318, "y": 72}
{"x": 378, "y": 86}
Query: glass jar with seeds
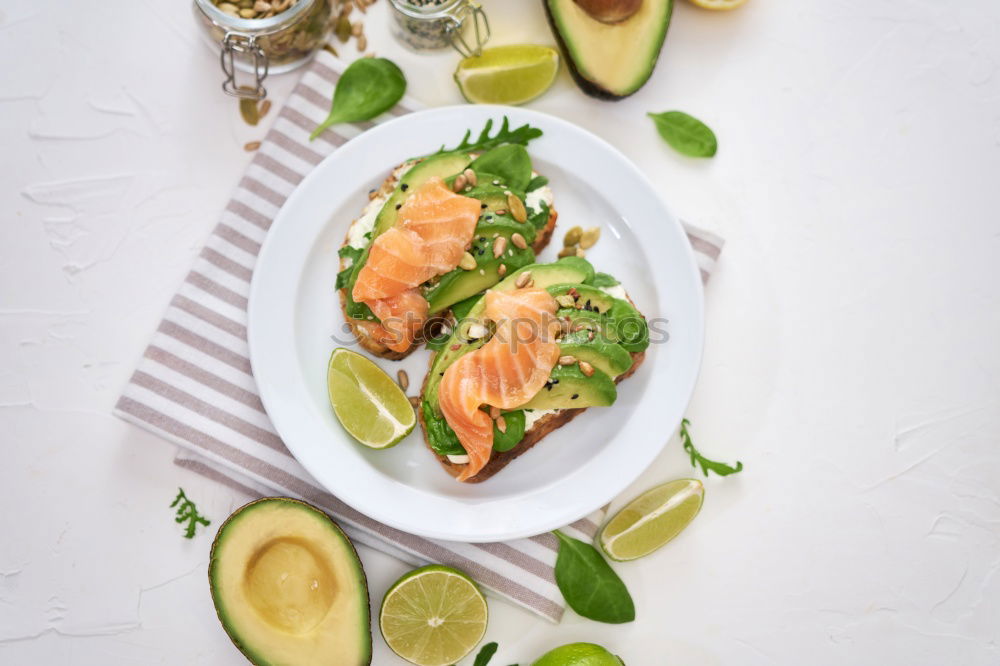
{"x": 424, "y": 25}
{"x": 262, "y": 37}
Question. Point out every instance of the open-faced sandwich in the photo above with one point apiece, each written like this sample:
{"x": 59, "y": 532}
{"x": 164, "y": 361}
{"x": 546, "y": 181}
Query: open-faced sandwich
{"x": 439, "y": 230}
{"x": 533, "y": 352}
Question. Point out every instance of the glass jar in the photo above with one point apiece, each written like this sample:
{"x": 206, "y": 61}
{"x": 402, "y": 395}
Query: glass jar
{"x": 273, "y": 44}
{"x": 424, "y": 25}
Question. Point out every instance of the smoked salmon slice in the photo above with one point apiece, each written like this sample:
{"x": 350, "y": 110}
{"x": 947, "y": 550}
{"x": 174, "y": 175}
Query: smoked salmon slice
{"x": 506, "y": 372}
{"x": 433, "y": 229}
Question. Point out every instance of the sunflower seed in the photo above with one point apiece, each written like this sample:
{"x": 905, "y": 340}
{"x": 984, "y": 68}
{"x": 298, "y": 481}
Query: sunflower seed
{"x": 459, "y": 184}
{"x": 248, "y": 13}
{"x": 262, "y": 6}
{"x": 362, "y": 43}
{"x": 522, "y": 279}
{"x": 251, "y": 146}
{"x": 476, "y": 332}
{"x": 494, "y": 412}
{"x": 502, "y": 270}
{"x": 499, "y": 245}
{"x": 229, "y": 8}
{"x": 586, "y": 368}
{"x": 567, "y": 360}
{"x": 468, "y": 262}
{"x": 265, "y": 107}
{"x": 501, "y": 424}
{"x": 414, "y": 400}
{"x": 357, "y": 29}
{"x": 470, "y": 177}
{"x": 518, "y": 241}
{"x": 403, "y": 379}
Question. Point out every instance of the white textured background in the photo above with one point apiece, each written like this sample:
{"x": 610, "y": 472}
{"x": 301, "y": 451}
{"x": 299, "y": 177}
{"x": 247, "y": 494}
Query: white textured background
{"x": 853, "y": 356}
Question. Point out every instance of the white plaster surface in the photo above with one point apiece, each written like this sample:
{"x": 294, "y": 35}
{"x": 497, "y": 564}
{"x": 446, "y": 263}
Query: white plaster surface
{"x": 852, "y": 360}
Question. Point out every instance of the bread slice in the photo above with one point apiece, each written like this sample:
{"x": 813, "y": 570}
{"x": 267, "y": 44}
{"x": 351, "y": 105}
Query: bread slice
{"x": 371, "y": 345}
{"x": 542, "y": 427}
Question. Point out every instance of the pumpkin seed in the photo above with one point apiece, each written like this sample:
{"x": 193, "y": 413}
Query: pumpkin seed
{"x": 573, "y": 236}
{"x": 589, "y": 237}
{"x": 516, "y": 207}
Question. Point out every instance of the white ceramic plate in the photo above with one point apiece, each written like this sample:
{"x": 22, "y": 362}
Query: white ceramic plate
{"x": 294, "y": 316}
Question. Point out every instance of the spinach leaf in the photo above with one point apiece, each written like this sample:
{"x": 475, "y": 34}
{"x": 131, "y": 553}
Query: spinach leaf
{"x": 344, "y": 276}
{"x": 505, "y": 441}
{"x": 485, "y": 654}
{"x": 368, "y": 87}
{"x": 536, "y": 182}
{"x": 686, "y": 134}
{"x": 510, "y": 162}
{"x": 442, "y": 438}
{"x": 461, "y": 309}
{"x": 602, "y": 280}
{"x": 522, "y": 135}
{"x": 722, "y": 469}
{"x": 589, "y": 584}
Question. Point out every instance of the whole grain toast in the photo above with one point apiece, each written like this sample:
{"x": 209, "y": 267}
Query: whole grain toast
{"x": 377, "y": 348}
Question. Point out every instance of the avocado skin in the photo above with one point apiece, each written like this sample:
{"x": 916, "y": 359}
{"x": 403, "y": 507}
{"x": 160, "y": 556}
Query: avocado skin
{"x": 215, "y": 561}
{"x": 592, "y": 88}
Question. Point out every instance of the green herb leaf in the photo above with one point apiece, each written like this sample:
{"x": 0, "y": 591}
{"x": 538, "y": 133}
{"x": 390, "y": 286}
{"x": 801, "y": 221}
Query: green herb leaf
{"x": 686, "y": 134}
{"x": 589, "y": 584}
{"x": 540, "y": 218}
{"x": 510, "y": 162}
{"x": 367, "y": 88}
{"x": 536, "y": 182}
{"x": 354, "y": 253}
{"x": 514, "y": 433}
{"x": 485, "y": 654}
{"x": 722, "y": 469}
{"x": 602, "y": 280}
{"x": 188, "y": 512}
{"x": 522, "y": 135}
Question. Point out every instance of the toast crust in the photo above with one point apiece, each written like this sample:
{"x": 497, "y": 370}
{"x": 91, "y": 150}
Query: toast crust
{"x": 377, "y": 348}
{"x": 542, "y": 427}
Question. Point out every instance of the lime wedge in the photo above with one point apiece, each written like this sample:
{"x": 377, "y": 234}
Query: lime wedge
{"x": 719, "y": 5}
{"x": 369, "y": 404}
{"x": 433, "y": 616}
{"x": 652, "y": 519}
{"x": 507, "y": 74}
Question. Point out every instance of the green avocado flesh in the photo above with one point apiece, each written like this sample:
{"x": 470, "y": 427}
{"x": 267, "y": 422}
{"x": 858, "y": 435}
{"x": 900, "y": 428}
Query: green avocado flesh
{"x": 610, "y": 60}
{"x": 289, "y": 588}
{"x": 506, "y": 168}
{"x": 568, "y": 387}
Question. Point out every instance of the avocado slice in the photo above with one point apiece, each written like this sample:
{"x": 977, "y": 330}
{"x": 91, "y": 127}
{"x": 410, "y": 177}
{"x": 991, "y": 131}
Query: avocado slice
{"x": 288, "y": 586}
{"x": 608, "y": 357}
{"x": 610, "y": 60}
{"x": 569, "y": 388}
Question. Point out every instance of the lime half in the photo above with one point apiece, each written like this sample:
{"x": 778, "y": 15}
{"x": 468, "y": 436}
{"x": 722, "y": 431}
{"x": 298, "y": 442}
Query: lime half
{"x": 433, "y": 616}
{"x": 652, "y": 519}
{"x": 507, "y": 74}
{"x": 369, "y": 404}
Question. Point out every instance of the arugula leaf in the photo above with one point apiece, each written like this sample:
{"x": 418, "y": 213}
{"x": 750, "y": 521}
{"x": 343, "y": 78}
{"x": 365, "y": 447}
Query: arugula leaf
{"x": 188, "y": 512}
{"x": 602, "y": 280}
{"x": 589, "y": 585}
{"x": 485, "y": 654}
{"x": 354, "y": 253}
{"x": 522, "y": 135}
{"x": 367, "y": 88}
{"x": 536, "y": 182}
{"x": 722, "y": 469}
{"x": 685, "y": 134}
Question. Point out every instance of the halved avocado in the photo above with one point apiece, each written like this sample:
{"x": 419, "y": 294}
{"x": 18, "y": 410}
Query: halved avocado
{"x": 610, "y": 60}
{"x": 569, "y": 388}
{"x": 289, "y": 588}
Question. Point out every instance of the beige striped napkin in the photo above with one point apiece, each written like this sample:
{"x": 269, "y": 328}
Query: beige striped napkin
{"x": 193, "y": 385}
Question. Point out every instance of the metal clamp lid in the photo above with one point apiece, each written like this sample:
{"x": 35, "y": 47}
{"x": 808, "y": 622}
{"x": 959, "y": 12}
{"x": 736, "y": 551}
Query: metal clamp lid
{"x": 244, "y": 45}
{"x": 481, "y": 25}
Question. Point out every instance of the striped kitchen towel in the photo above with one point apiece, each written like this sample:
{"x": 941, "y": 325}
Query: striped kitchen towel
{"x": 194, "y": 387}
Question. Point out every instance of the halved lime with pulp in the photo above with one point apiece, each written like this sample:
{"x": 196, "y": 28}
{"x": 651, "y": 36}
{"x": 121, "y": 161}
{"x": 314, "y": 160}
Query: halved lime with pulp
{"x": 433, "y": 616}
{"x": 369, "y": 404}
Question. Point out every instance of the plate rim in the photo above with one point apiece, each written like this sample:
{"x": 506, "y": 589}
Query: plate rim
{"x": 270, "y": 401}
